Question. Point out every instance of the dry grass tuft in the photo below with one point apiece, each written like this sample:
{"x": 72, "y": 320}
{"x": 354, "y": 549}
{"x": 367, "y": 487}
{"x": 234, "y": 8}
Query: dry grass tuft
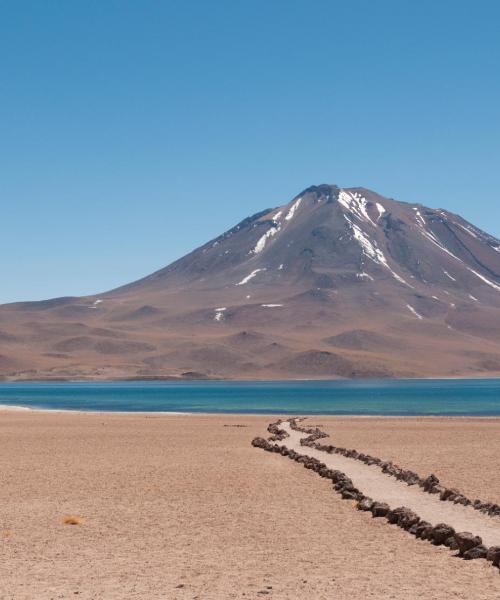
{"x": 72, "y": 520}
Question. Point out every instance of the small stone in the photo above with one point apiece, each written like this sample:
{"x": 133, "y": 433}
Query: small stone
{"x": 451, "y": 543}
{"x": 365, "y": 504}
{"x": 440, "y": 533}
{"x": 408, "y": 520}
{"x": 403, "y": 516}
{"x": 493, "y": 555}
{"x": 430, "y": 482}
{"x": 380, "y": 509}
{"x": 395, "y": 514}
{"x": 467, "y": 541}
{"x": 349, "y": 495}
{"x": 447, "y": 493}
{"x": 424, "y": 530}
{"x": 476, "y": 552}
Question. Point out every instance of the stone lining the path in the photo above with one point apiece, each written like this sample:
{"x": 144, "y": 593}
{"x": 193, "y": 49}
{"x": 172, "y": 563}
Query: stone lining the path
{"x": 468, "y": 545}
{"x": 430, "y": 484}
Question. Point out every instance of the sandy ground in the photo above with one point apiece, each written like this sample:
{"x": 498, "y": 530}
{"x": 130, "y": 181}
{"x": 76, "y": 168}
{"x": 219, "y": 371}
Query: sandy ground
{"x": 182, "y": 507}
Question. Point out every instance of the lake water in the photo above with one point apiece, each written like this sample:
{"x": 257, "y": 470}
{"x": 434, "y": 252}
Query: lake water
{"x": 368, "y": 397}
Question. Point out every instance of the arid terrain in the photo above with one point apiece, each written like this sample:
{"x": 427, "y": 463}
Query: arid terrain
{"x": 336, "y": 283}
{"x": 182, "y": 507}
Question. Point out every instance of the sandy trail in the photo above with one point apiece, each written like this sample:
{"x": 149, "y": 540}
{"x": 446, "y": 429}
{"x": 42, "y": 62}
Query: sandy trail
{"x": 383, "y": 488}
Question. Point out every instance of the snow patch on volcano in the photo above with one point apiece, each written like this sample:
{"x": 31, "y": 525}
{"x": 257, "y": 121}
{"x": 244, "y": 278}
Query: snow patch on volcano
{"x": 364, "y": 275}
{"x": 371, "y": 250}
{"x": 293, "y": 209}
{"x": 414, "y": 312}
{"x": 355, "y": 204}
{"x": 261, "y": 244}
{"x": 219, "y": 314}
{"x": 466, "y": 229}
{"x": 485, "y": 279}
{"x": 381, "y": 210}
{"x": 250, "y": 276}
{"x": 419, "y": 217}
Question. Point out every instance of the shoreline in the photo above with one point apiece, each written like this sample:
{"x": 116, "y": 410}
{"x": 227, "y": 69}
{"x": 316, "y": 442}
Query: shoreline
{"x": 167, "y": 379}
{"x": 23, "y": 409}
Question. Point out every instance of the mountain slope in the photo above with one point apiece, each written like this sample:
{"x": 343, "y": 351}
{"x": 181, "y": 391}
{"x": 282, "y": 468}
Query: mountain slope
{"x": 335, "y": 283}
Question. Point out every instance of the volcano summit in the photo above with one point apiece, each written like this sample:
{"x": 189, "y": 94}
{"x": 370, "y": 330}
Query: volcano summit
{"x": 339, "y": 282}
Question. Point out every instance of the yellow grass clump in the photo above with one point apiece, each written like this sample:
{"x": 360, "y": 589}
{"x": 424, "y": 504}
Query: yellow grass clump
{"x": 72, "y": 520}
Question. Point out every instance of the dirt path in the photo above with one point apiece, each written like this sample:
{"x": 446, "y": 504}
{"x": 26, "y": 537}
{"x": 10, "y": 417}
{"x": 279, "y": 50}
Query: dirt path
{"x": 383, "y": 488}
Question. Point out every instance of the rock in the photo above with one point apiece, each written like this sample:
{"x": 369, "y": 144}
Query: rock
{"x": 259, "y": 442}
{"x": 404, "y": 517}
{"x": 447, "y": 492}
{"x": 365, "y": 504}
{"x": 493, "y": 555}
{"x": 380, "y": 509}
{"x": 423, "y": 530}
{"x": 451, "y": 543}
{"x": 344, "y": 484}
{"x": 466, "y": 541}
{"x": 440, "y": 533}
{"x": 336, "y": 476}
{"x": 408, "y": 520}
{"x": 430, "y": 482}
{"x": 349, "y": 495}
{"x": 476, "y": 552}
{"x": 412, "y": 478}
{"x": 395, "y": 514}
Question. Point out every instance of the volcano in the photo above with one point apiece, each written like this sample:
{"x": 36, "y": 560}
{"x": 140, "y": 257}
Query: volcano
{"x": 339, "y": 282}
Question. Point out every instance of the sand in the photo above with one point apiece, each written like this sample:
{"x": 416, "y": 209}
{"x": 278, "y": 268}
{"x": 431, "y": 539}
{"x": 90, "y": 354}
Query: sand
{"x": 178, "y": 507}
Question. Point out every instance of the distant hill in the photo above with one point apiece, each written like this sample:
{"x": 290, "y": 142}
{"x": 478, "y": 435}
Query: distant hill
{"x": 336, "y": 283}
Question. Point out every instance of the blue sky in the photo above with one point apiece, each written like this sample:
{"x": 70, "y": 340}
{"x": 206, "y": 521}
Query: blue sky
{"x": 131, "y": 132}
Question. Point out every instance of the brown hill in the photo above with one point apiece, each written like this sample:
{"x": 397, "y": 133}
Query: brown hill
{"x": 336, "y": 283}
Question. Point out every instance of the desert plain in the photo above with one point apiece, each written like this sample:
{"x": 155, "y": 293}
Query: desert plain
{"x": 183, "y": 507}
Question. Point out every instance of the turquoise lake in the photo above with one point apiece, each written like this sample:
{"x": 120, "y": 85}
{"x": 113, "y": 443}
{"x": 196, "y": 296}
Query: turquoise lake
{"x": 480, "y": 397}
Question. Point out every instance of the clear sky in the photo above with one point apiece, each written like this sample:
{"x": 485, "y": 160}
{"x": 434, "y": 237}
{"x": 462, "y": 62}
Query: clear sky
{"x": 132, "y": 132}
